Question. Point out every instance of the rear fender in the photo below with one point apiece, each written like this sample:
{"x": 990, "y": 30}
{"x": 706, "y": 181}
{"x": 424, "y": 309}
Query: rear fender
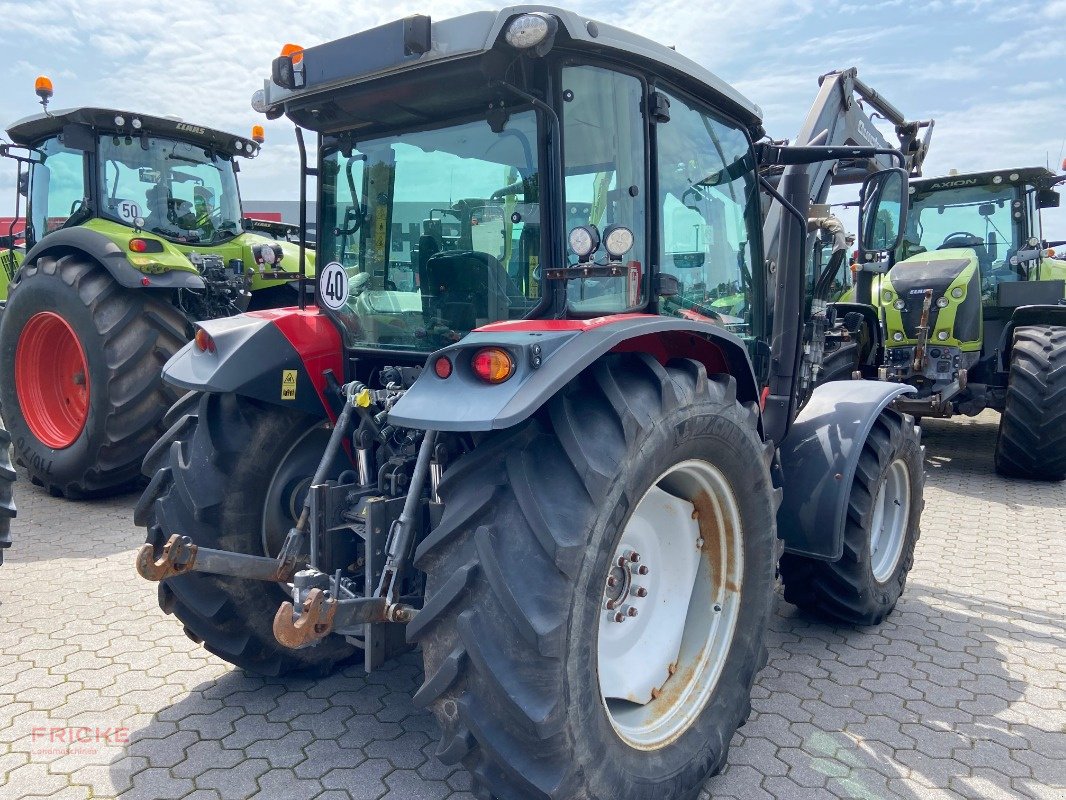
{"x": 818, "y": 460}
{"x": 112, "y": 258}
{"x": 548, "y": 354}
{"x": 279, "y": 356}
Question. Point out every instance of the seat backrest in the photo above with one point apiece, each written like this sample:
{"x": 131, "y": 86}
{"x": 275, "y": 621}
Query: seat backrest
{"x": 466, "y": 287}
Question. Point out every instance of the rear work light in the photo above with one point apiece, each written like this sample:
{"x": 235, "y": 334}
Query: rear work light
{"x": 204, "y": 342}
{"x": 493, "y": 364}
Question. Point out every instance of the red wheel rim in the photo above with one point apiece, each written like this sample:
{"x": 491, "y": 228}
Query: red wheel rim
{"x": 52, "y": 380}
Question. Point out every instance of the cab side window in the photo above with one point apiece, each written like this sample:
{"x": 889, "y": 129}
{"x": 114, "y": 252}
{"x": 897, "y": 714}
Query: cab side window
{"x": 604, "y": 181}
{"x": 58, "y": 188}
{"x": 709, "y": 217}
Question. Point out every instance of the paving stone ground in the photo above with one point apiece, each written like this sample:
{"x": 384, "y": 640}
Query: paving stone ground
{"x": 960, "y": 694}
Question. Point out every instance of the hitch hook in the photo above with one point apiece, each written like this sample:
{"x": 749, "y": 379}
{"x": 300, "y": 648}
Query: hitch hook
{"x": 179, "y": 556}
{"x": 314, "y": 623}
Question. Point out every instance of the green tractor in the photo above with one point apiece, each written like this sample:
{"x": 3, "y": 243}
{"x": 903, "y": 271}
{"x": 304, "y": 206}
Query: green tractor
{"x": 974, "y": 312}
{"x": 133, "y": 233}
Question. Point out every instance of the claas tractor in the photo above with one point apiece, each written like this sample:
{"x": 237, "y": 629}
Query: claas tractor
{"x": 496, "y": 437}
{"x": 133, "y": 232}
{"x": 974, "y": 312}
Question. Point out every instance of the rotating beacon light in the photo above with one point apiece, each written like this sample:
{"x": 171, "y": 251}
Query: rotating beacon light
{"x": 42, "y": 87}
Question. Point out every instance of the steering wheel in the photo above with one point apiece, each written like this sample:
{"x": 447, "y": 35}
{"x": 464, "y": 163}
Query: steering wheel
{"x": 966, "y": 238}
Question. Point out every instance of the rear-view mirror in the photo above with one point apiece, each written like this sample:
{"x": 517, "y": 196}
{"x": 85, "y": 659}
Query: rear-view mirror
{"x": 883, "y": 210}
{"x": 1047, "y": 198}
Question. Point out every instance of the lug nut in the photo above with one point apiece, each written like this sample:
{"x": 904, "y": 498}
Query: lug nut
{"x": 634, "y": 556}
{"x": 612, "y": 581}
{"x": 631, "y": 611}
{"x": 622, "y": 561}
{"x": 611, "y": 604}
{"x": 619, "y": 617}
{"x": 643, "y": 569}
{"x": 641, "y": 592}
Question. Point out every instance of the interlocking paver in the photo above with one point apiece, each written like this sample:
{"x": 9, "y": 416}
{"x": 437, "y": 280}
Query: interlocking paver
{"x": 960, "y": 694}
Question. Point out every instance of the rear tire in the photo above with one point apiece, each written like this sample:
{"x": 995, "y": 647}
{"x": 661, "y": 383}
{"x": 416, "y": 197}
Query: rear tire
{"x": 212, "y": 474}
{"x": 7, "y": 482}
{"x": 516, "y": 573}
{"x": 881, "y": 530}
{"x": 1032, "y": 428}
{"x": 119, "y": 339}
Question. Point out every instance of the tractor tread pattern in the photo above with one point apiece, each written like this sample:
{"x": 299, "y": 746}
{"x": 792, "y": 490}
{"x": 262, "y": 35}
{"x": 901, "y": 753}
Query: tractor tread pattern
{"x": 1032, "y": 430}
{"x": 138, "y": 332}
{"x": 185, "y": 495}
{"x": 492, "y": 693}
{"x": 7, "y": 502}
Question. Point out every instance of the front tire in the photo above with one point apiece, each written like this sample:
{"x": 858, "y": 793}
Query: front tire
{"x": 535, "y": 519}
{"x": 230, "y": 474}
{"x": 1032, "y": 429}
{"x": 80, "y": 385}
{"x": 881, "y": 530}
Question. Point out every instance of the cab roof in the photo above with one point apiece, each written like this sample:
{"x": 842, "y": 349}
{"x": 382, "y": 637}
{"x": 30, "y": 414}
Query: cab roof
{"x": 31, "y": 130}
{"x": 380, "y": 52}
{"x": 1041, "y": 177}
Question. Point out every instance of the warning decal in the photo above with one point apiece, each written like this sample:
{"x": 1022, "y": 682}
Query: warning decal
{"x": 288, "y": 384}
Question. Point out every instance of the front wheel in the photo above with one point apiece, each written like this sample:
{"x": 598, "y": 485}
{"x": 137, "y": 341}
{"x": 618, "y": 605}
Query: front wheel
{"x": 882, "y": 527}
{"x": 1032, "y": 429}
{"x": 80, "y": 384}
{"x": 599, "y": 587}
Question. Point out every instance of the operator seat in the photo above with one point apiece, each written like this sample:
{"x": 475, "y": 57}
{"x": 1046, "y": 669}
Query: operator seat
{"x": 465, "y": 289}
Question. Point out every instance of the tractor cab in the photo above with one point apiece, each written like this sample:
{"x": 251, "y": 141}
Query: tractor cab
{"x": 523, "y": 172}
{"x": 161, "y": 190}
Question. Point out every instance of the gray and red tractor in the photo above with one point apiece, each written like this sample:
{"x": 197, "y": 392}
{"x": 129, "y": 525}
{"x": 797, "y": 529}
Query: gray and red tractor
{"x": 496, "y": 437}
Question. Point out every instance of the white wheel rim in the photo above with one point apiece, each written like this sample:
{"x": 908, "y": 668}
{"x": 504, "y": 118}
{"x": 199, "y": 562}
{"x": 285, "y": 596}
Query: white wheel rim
{"x": 891, "y": 513}
{"x": 658, "y": 669}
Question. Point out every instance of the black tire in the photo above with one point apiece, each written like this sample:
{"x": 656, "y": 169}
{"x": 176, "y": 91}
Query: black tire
{"x": 515, "y": 575}
{"x": 211, "y": 473}
{"x": 7, "y": 502}
{"x": 127, "y": 336}
{"x": 1032, "y": 429}
{"x": 847, "y": 590}
{"x": 839, "y": 364}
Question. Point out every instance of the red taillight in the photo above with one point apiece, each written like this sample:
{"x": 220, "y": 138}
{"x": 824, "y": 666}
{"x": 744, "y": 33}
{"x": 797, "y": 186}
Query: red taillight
{"x": 443, "y": 367}
{"x": 493, "y": 364}
{"x": 204, "y": 342}
{"x": 138, "y": 245}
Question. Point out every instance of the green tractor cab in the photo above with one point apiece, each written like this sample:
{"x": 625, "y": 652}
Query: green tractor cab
{"x": 133, "y": 233}
{"x": 974, "y": 278}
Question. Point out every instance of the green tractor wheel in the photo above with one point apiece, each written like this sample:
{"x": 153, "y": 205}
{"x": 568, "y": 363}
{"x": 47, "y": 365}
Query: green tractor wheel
{"x": 1032, "y": 429}
{"x": 80, "y": 383}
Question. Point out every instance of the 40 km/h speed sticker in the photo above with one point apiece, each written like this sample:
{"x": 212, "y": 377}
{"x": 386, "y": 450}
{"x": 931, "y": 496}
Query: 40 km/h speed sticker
{"x": 333, "y": 286}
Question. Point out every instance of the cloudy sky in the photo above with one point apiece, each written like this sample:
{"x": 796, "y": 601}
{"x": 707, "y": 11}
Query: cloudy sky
{"x": 990, "y": 72}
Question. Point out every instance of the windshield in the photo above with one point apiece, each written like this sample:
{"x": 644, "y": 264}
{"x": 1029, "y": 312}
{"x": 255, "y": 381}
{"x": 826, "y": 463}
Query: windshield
{"x": 437, "y": 231}
{"x": 178, "y": 189}
{"x": 977, "y": 217}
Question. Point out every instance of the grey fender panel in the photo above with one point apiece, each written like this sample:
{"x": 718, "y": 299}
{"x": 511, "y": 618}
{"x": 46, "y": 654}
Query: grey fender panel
{"x": 250, "y": 359}
{"x": 462, "y": 402}
{"x": 112, "y": 258}
{"x": 818, "y": 459}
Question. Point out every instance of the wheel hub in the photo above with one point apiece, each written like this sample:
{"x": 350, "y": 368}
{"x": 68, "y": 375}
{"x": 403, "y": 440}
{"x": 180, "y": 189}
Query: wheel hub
{"x": 52, "y": 380}
{"x": 891, "y": 516}
{"x": 670, "y": 601}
